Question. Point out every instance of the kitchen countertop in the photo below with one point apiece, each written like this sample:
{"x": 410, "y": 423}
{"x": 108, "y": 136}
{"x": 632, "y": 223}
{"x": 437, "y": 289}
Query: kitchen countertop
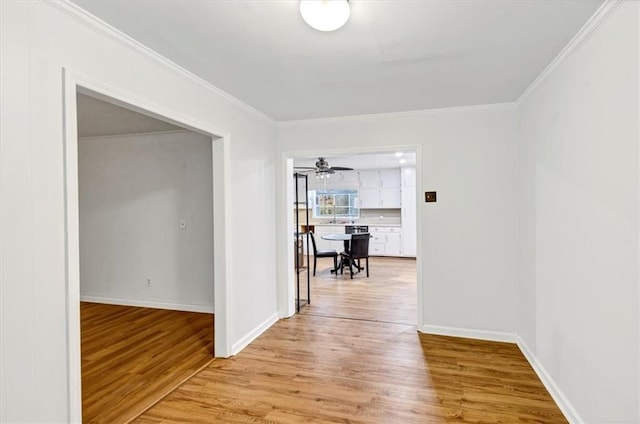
{"x": 359, "y": 223}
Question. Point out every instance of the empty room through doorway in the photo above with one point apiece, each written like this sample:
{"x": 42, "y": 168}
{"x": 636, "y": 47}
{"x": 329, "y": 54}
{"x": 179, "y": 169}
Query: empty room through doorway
{"x": 146, "y": 258}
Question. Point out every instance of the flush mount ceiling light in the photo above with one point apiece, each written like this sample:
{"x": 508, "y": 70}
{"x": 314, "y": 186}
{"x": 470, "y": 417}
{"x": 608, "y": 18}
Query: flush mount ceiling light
{"x": 325, "y": 15}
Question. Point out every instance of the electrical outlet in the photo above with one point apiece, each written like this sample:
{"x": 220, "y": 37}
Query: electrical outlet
{"x": 148, "y": 282}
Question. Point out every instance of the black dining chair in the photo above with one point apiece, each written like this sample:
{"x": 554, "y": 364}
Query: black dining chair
{"x": 359, "y": 249}
{"x": 323, "y": 254}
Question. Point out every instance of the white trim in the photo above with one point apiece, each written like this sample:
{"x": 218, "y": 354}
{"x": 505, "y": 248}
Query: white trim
{"x": 468, "y": 333}
{"x": 421, "y": 276}
{"x": 582, "y": 36}
{"x": 284, "y": 197}
{"x": 103, "y": 28}
{"x": 142, "y": 303}
{"x": 558, "y": 396}
{"x": 72, "y": 248}
{"x": 638, "y": 235}
{"x": 392, "y": 115}
{"x": 222, "y": 217}
{"x": 73, "y": 83}
{"x": 254, "y": 334}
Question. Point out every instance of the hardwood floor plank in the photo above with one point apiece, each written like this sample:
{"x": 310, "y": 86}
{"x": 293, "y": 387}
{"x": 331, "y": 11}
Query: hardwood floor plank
{"x": 389, "y": 294}
{"x": 132, "y": 357}
{"x": 354, "y": 356}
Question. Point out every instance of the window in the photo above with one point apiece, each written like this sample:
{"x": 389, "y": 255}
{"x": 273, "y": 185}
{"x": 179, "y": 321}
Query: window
{"x": 336, "y": 204}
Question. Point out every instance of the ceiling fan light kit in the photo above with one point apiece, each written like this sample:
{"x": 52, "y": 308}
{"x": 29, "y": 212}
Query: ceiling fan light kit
{"x": 325, "y": 15}
{"x": 322, "y": 168}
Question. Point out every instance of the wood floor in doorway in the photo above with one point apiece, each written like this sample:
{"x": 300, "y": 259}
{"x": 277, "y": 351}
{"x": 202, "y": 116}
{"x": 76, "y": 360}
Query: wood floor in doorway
{"x": 368, "y": 366}
{"x": 388, "y": 295}
{"x": 132, "y": 357}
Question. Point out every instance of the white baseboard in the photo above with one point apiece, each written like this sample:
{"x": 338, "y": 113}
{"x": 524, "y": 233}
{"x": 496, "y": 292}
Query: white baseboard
{"x": 558, "y": 396}
{"x": 253, "y": 334}
{"x": 494, "y": 336}
{"x": 207, "y": 309}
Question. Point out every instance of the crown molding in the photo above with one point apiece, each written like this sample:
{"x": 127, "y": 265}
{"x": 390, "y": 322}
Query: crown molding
{"x": 578, "y": 40}
{"x": 136, "y": 134}
{"x": 101, "y": 27}
{"x": 391, "y": 115}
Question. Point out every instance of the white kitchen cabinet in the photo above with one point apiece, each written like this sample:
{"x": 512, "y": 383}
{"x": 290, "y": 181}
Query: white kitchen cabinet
{"x": 409, "y": 221}
{"x": 349, "y": 178}
{"x": 369, "y": 179}
{"x": 393, "y": 246}
{"x": 369, "y": 198}
{"x": 385, "y": 241}
{"x": 390, "y": 198}
{"x": 376, "y": 249}
{"x": 390, "y": 177}
{"x": 409, "y": 213}
{"x": 383, "y": 178}
{"x": 340, "y": 180}
{"x": 343, "y": 180}
{"x": 380, "y": 198}
{"x": 380, "y": 189}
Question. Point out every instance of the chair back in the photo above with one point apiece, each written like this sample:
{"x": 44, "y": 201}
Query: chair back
{"x": 313, "y": 242}
{"x": 349, "y": 229}
{"x": 360, "y": 245}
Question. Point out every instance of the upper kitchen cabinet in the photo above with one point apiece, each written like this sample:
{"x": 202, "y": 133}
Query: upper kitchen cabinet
{"x": 341, "y": 180}
{"x": 380, "y": 189}
{"x": 390, "y": 178}
{"x": 387, "y": 178}
{"x": 369, "y": 179}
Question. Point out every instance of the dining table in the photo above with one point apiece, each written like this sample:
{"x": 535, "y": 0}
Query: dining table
{"x": 346, "y": 239}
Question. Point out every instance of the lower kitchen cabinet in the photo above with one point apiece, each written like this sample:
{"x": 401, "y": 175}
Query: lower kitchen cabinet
{"x": 385, "y": 241}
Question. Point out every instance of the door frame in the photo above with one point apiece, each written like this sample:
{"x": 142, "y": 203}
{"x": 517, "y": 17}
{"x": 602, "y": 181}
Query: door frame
{"x": 285, "y": 197}
{"x": 73, "y": 83}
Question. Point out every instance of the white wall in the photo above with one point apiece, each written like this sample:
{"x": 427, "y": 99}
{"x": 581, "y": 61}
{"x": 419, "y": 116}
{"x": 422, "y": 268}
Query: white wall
{"x": 38, "y": 39}
{"x": 579, "y": 223}
{"x": 469, "y": 156}
{"x": 134, "y": 190}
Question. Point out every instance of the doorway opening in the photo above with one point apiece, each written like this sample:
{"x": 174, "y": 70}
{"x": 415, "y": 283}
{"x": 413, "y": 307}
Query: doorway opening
{"x": 377, "y": 195}
{"x": 140, "y": 281}
{"x": 146, "y": 243}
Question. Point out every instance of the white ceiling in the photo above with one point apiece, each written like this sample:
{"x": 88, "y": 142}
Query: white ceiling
{"x": 363, "y": 161}
{"x": 391, "y": 56}
{"x": 99, "y": 118}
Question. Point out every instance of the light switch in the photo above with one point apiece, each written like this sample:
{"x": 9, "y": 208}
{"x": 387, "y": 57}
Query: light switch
{"x": 183, "y": 224}
{"x": 429, "y": 196}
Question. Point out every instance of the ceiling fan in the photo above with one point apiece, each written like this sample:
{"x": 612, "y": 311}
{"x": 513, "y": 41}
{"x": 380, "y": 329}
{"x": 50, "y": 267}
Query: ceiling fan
{"x": 322, "y": 168}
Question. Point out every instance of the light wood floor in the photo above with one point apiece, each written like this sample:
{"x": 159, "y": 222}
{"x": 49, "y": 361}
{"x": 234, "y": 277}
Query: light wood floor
{"x": 362, "y": 368}
{"x": 132, "y": 357}
{"x": 388, "y": 295}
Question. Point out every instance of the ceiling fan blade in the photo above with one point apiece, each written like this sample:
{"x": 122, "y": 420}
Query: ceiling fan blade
{"x": 303, "y": 171}
{"x": 305, "y": 167}
{"x": 341, "y": 168}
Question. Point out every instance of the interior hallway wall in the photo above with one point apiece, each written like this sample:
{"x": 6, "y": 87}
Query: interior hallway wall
{"x": 134, "y": 191}
{"x": 37, "y": 40}
{"x": 579, "y": 217}
{"x": 470, "y": 157}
